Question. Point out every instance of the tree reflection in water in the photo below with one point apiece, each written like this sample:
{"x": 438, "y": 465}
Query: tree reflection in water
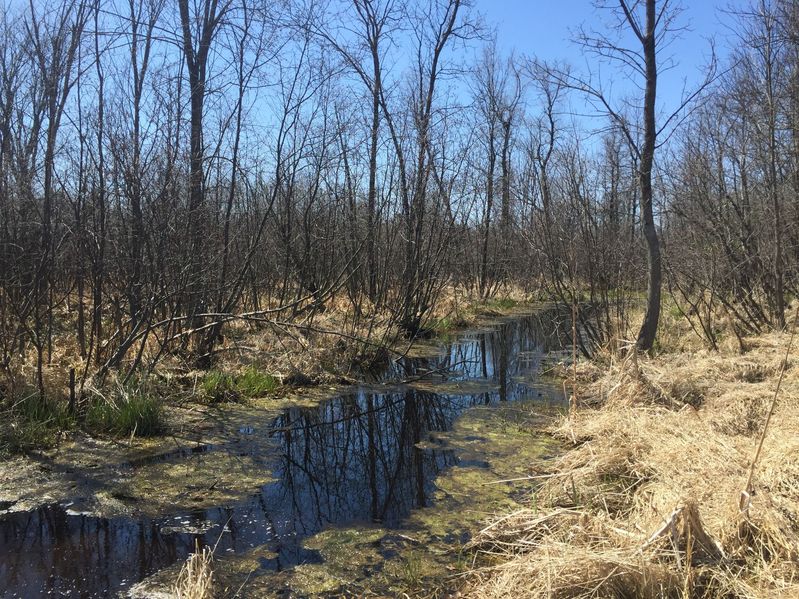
{"x": 353, "y": 458}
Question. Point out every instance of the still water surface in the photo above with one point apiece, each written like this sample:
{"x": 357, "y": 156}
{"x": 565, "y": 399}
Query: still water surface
{"x": 354, "y": 458}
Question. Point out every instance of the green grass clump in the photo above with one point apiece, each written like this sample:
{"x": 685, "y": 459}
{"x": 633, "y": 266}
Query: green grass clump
{"x": 219, "y": 386}
{"x": 255, "y": 383}
{"x": 138, "y": 414}
{"x": 502, "y": 304}
{"x": 32, "y": 422}
{"x": 447, "y": 326}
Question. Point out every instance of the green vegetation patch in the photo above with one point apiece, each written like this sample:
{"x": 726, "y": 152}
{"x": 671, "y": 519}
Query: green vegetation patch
{"x": 496, "y": 307}
{"x": 33, "y": 422}
{"x": 220, "y": 386}
{"x": 137, "y": 414}
{"x": 447, "y": 325}
{"x": 349, "y": 554}
{"x": 216, "y": 385}
{"x": 254, "y": 383}
{"x": 502, "y": 304}
{"x": 198, "y": 481}
{"x": 493, "y": 444}
{"x": 448, "y": 387}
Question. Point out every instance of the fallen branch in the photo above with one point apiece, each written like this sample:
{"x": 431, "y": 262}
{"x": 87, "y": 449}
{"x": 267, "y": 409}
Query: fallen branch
{"x": 668, "y": 526}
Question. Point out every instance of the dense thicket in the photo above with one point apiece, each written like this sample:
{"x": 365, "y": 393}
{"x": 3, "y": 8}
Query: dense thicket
{"x": 166, "y": 168}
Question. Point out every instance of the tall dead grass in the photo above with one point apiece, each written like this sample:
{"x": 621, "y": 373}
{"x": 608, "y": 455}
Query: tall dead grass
{"x": 332, "y": 345}
{"x": 646, "y": 502}
{"x": 196, "y": 577}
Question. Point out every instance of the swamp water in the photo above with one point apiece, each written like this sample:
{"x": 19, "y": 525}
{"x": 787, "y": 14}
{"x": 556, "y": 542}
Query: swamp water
{"x": 375, "y": 489}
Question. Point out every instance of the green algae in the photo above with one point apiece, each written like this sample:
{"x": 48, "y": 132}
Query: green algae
{"x": 493, "y": 444}
{"x": 503, "y": 442}
{"x": 330, "y": 542}
{"x": 349, "y": 554}
{"x": 449, "y": 387}
{"x": 201, "y": 481}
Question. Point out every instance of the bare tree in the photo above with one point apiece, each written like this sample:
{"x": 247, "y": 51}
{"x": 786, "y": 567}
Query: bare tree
{"x": 650, "y": 22}
{"x": 54, "y": 41}
{"x": 199, "y": 28}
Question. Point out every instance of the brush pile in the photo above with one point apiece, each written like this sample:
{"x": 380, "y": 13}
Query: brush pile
{"x": 649, "y": 501}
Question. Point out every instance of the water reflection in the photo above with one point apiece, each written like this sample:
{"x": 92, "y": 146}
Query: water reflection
{"x": 354, "y": 458}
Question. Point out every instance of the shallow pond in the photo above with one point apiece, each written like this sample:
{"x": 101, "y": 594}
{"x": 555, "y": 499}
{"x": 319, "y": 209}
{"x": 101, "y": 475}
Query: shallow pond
{"x": 365, "y": 464}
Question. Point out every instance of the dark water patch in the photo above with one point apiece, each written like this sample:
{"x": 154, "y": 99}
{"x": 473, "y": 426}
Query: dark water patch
{"x": 168, "y": 456}
{"x": 366, "y": 457}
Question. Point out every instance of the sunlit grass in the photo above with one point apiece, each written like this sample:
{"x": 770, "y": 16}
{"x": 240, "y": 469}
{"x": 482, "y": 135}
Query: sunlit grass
{"x": 220, "y": 386}
{"x": 138, "y": 414}
{"x": 254, "y": 383}
{"x": 32, "y": 421}
{"x": 504, "y": 303}
{"x": 196, "y": 577}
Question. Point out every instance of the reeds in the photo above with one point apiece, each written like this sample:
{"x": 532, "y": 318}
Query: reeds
{"x": 196, "y": 577}
{"x": 646, "y": 502}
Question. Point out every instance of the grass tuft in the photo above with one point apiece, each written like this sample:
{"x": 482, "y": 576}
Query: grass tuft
{"x": 218, "y": 387}
{"x": 138, "y": 414}
{"x": 504, "y": 303}
{"x": 223, "y": 387}
{"x": 256, "y": 383}
{"x": 196, "y": 577}
{"x": 31, "y": 422}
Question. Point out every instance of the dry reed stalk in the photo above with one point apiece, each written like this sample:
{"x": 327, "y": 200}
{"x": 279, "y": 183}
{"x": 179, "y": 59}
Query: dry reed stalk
{"x": 196, "y": 577}
{"x": 746, "y": 494}
{"x": 573, "y": 402}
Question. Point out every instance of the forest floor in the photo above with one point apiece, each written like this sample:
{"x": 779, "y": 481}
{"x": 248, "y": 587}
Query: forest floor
{"x": 651, "y": 498}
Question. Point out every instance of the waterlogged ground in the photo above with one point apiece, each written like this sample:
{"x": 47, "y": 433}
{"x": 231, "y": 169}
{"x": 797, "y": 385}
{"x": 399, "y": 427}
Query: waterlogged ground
{"x": 492, "y": 444}
{"x": 374, "y": 490}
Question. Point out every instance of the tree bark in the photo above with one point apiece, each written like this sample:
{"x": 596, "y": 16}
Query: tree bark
{"x": 646, "y": 336}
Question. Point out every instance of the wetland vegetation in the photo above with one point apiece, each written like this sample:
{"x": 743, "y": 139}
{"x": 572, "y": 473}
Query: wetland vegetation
{"x": 347, "y": 297}
{"x": 370, "y": 488}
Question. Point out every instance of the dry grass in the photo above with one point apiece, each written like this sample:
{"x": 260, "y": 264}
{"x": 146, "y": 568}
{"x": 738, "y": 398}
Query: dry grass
{"x": 323, "y": 346}
{"x": 196, "y": 577}
{"x": 334, "y": 344}
{"x": 646, "y": 503}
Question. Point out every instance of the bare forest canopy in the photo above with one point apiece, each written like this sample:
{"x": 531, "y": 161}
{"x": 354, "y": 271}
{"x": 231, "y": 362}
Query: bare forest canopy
{"x": 169, "y": 168}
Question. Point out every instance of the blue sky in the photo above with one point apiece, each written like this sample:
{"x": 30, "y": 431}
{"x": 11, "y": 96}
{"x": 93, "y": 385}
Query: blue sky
{"x": 543, "y": 28}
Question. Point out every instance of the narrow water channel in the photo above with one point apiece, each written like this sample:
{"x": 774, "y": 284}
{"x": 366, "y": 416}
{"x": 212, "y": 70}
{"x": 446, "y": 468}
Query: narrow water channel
{"x": 369, "y": 456}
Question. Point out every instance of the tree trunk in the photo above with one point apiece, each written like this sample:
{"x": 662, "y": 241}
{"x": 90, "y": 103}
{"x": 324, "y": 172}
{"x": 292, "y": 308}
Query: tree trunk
{"x": 646, "y": 336}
